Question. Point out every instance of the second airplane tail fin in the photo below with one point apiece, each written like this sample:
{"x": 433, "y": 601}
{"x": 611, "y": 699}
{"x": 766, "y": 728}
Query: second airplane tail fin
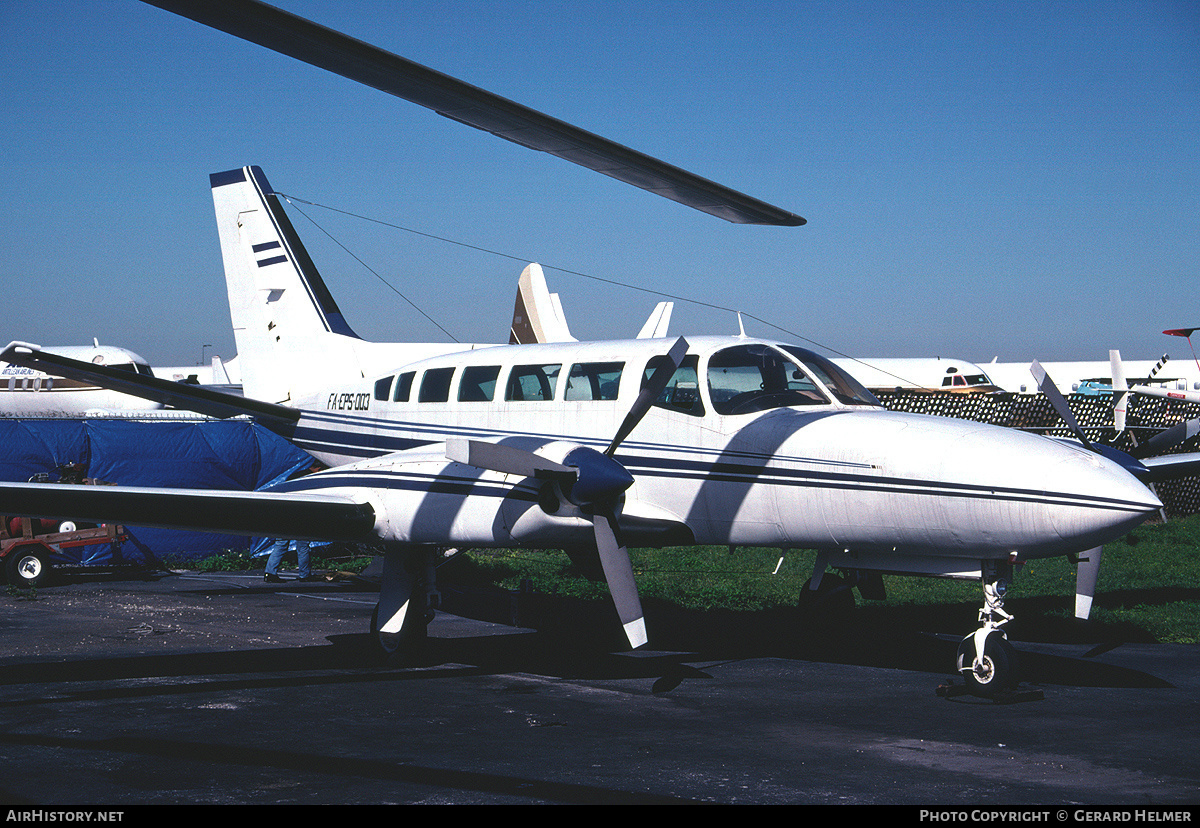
{"x": 538, "y": 315}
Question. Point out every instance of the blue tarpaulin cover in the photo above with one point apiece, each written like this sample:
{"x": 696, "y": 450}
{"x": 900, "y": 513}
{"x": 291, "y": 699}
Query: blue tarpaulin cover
{"x": 191, "y": 454}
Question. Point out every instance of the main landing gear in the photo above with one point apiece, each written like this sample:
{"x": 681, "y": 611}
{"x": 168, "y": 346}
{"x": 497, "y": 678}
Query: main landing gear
{"x": 408, "y": 597}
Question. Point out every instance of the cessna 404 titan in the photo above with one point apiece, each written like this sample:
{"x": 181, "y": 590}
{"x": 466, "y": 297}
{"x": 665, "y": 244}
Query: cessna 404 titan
{"x": 593, "y": 446}
{"x": 587, "y": 446}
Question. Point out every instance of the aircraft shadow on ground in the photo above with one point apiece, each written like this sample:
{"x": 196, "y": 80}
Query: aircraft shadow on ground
{"x": 582, "y": 640}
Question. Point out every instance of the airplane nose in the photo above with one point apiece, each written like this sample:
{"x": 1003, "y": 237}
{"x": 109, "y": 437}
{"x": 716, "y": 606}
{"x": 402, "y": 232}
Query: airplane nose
{"x": 1108, "y": 503}
{"x": 911, "y": 484}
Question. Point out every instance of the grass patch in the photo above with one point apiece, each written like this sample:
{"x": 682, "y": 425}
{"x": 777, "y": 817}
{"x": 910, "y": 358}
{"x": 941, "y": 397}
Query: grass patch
{"x": 1149, "y": 587}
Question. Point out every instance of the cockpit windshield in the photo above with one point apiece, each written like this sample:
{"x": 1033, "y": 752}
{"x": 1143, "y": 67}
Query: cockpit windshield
{"x": 749, "y": 378}
{"x": 756, "y": 377}
{"x": 845, "y": 388}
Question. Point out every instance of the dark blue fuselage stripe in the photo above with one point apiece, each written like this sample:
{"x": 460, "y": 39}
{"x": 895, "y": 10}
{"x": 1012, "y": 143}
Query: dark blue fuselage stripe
{"x": 370, "y": 443}
{"x": 748, "y": 475}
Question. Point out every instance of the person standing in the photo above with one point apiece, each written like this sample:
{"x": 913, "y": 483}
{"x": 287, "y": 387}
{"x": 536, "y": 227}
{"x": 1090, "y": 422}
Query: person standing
{"x": 275, "y": 558}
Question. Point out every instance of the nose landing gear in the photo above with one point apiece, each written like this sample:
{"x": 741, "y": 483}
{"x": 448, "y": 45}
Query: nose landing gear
{"x": 986, "y": 659}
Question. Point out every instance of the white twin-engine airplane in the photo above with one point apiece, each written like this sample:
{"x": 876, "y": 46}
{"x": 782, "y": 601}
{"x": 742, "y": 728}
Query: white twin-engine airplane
{"x": 27, "y": 392}
{"x": 593, "y": 446}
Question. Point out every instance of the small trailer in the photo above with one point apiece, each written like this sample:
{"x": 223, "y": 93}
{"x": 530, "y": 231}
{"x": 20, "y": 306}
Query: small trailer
{"x": 28, "y": 550}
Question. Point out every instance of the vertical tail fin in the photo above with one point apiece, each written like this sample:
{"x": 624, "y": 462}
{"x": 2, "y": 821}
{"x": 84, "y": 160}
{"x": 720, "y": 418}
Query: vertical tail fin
{"x": 658, "y": 322}
{"x": 538, "y": 314}
{"x": 288, "y": 328}
{"x": 1120, "y": 390}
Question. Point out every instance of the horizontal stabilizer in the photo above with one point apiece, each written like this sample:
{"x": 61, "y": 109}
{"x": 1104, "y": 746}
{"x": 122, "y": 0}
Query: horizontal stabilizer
{"x": 335, "y": 52}
{"x": 260, "y": 514}
{"x": 187, "y": 397}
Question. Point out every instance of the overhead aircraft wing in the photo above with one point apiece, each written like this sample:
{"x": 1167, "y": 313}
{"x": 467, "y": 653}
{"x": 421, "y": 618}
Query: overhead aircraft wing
{"x": 327, "y": 49}
{"x": 262, "y": 514}
{"x": 195, "y": 398}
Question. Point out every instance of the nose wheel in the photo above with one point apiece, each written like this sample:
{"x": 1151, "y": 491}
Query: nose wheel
{"x": 986, "y": 660}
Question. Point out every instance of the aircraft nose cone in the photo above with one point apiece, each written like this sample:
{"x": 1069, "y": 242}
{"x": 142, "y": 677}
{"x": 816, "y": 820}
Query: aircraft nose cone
{"x": 1100, "y": 501}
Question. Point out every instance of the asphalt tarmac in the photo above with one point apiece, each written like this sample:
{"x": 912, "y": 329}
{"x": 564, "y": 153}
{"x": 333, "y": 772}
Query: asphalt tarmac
{"x": 192, "y": 689}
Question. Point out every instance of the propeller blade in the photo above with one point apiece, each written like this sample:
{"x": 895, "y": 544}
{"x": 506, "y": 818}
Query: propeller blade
{"x": 1087, "y": 573}
{"x": 504, "y": 459}
{"x": 645, "y": 399}
{"x": 618, "y": 572}
{"x": 335, "y": 52}
{"x": 1120, "y": 390}
{"x": 1169, "y": 438}
{"x": 1047, "y": 387}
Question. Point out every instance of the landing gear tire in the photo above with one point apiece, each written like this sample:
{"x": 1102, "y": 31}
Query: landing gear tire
{"x": 997, "y": 671}
{"x": 834, "y": 595}
{"x": 27, "y": 567}
{"x": 828, "y": 613}
{"x": 406, "y": 646}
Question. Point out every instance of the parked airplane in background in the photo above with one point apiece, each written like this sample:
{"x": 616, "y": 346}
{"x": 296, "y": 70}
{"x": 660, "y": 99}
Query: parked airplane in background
{"x": 538, "y": 317}
{"x": 590, "y": 446}
{"x": 1070, "y": 377}
{"x": 26, "y": 392}
{"x": 219, "y": 373}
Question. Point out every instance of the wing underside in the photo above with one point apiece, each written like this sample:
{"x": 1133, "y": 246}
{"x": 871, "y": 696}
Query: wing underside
{"x": 322, "y": 517}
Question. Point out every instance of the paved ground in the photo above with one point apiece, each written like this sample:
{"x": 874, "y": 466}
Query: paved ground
{"x": 194, "y": 689}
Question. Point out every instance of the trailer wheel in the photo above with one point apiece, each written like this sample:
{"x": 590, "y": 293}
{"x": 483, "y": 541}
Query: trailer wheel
{"x": 27, "y": 566}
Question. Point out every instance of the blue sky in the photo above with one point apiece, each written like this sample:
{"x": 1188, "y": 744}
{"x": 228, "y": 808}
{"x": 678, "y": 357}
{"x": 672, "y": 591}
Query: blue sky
{"x": 980, "y": 179}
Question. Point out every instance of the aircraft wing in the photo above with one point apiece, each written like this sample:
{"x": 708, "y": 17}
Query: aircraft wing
{"x": 326, "y": 49}
{"x": 195, "y": 398}
{"x": 263, "y": 514}
{"x": 1172, "y": 466}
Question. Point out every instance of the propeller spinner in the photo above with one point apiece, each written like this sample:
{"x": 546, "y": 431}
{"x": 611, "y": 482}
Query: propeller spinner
{"x": 594, "y": 482}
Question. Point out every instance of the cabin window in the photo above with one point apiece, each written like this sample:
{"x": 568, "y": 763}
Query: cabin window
{"x": 478, "y": 383}
{"x": 435, "y": 385}
{"x": 594, "y": 381}
{"x": 532, "y": 382}
{"x": 683, "y": 391}
{"x": 752, "y": 378}
{"x": 383, "y": 387}
{"x": 404, "y": 386}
